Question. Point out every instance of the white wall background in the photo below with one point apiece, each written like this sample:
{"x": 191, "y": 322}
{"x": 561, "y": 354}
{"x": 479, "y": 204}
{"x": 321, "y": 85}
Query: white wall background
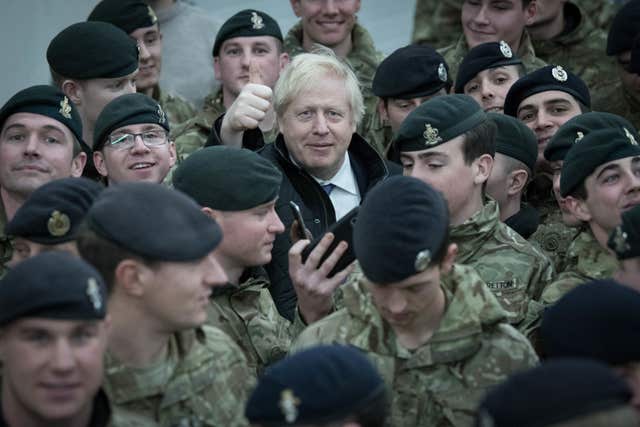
{"x": 27, "y": 26}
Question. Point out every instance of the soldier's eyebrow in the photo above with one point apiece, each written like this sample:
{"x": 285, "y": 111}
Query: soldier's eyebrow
{"x": 527, "y": 107}
{"x": 613, "y": 166}
{"x": 556, "y": 101}
{"x": 429, "y": 154}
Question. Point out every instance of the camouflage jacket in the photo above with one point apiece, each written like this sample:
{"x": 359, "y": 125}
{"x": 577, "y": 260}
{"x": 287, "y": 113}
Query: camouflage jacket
{"x": 176, "y": 108}
{"x": 437, "y": 22}
{"x": 454, "y": 53}
{"x": 6, "y": 247}
{"x": 554, "y": 238}
{"x": 203, "y": 382}
{"x": 441, "y": 382}
{"x": 580, "y": 50}
{"x": 601, "y": 11}
{"x": 615, "y": 99}
{"x": 363, "y": 58}
{"x": 249, "y": 316}
{"x": 511, "y": 267}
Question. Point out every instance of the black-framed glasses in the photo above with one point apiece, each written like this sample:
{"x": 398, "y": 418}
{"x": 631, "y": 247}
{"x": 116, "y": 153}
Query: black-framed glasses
{"x": 150, "y": 138}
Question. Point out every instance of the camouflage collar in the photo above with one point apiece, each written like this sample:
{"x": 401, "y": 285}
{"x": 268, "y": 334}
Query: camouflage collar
{"x": 582, "y": 31}
{"x": 470, "y": 235}
{"x": 590, "y": 260}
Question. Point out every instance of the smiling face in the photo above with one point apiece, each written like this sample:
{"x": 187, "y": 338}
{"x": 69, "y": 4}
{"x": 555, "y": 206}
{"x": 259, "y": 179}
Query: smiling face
{"x": 494, "y": 20}
{"x": 489, "y": 87}
{"x": 326, "y": 22}
{"x": 149, "y": 41}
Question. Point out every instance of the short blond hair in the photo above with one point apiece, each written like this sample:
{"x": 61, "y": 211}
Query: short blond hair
{"x": 306, "y": 70}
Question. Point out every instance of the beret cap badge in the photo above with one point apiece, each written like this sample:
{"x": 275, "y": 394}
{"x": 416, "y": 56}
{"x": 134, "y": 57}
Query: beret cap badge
{"x": 288, "y": 403}
{"x": 152, "y": 15}
{"x": 442, "y": 72}
{"x": 431, "y": 135}
{"x": 58, "y": 224}
{"x": 257, "y": 21}
{"x": 579, "y": 137}
{"x": 65, "y": 108}
{"x": 620, "y": 241}
{"x": 162, "y": 118}
{"x": 93, "y": 292}
{"x": 559, "y": 74}
{"x": 423, "y": 259}
{"x": 630, "y": 137}
{"x": 505, "y": 49}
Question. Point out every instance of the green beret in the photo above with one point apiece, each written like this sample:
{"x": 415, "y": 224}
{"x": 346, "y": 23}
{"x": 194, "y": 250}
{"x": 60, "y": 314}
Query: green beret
{"x": 129, "y": 109}
{"x": 437, "y": 121}
{"x": 228, "y": 179}
{"x": 247, "y": 23}
{"x": 514, "y": 139}
{"x": 128, "y": 15}
{"x": 154, "y": 222}
{"x": 93, "y": 50}
{"x": 483, "y": 57}
{"x": 47, "y": 101}
{"x": 401, "y": 226}
{"x": 624, "y": 28}
{"x": 577, "y": 127}
{"x": 625, "y": 239}
{"x": 52, "y": 285}
{"x": 595, "y": 149}
{"x": 54, "y": 211}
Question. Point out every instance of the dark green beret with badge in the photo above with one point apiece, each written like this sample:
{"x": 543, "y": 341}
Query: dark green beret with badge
{"x": 53, "y": 213}
{"x": 316, "y": 386}
{"x": 514, "y": 139}
{"x": 594, "y": 149}
{"x": 52, "y": 285}
{"x": 247, "y": 23}
{"x": 129, "y": 109}
{"x": 624, "y": 28}
{"x": 128, "y": 15}
{"x": 435, "y": 122}
{"x": 625, "y": 238}
{"x": 551, "y": 77}
{"x": 411, "y": 72}
{"x": 483, "y": 57}
{"x": 48, "y": 101}
{"x": 228, "y": 179}
{"x": 401, "y": 226}
{"x": 154, "y": 222}
{"x": 577, "y": 127}
{"x": 93, "y": 50}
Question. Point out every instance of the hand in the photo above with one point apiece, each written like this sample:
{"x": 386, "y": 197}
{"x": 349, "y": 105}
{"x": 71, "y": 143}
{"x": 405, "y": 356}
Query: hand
{"x": 313, "y": 288}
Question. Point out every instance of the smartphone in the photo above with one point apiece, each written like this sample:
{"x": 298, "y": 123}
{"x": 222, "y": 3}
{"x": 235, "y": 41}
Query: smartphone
{"x": 303, "y": 231}
{"x": 343, "y": 231}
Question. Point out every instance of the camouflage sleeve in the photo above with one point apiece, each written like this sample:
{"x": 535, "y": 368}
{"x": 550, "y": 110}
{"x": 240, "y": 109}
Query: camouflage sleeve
{"x": 122, "y": 418}
{"x": 543, "y": 275}
{"x": 331, "y": 329}
{"x": 190, "y": 136}
{"x": 563, "y": 284}
{"x": 178, "y": 110}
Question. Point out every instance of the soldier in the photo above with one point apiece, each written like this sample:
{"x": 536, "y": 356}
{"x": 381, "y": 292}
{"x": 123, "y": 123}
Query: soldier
{"x": 335, "y": 25}
{"x": 449, "y": 143}
{"x": 132, "y": 142}
{"x": 50, "y": 218}
{"x": 404, "y": 80}
{"x": 513, "y": 165}
{"x": 248, "y": 58}
{"x": 328, "y": 385}
{"x": 418, "y": 316}
{"x": 623, "y": 98}
{"x": 487, "y": 73}
{"x": 486, "y": 21}
{"x": 40, "y": 139}
{"x": 625, "y": 242}
{"x": 154, "y": 247}
{"x": 137, "y": 19}
{"x": 563, "y": 33}
{"x": 561, "y": 393}
{"x": 90, "y": 81}
{"x": 54, "y": 327}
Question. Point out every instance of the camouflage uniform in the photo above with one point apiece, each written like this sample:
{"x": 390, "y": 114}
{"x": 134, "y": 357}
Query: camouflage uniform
{"x": 177, "y": 109}
{"x": 454, "y": 53}
{"x": 601, "y": 11}
{"x": 580, "y": 50}
{"x": 617, "y": 100}
{"x": 437, "y": 22}
{"x": 363, "y": 58}
{"x": 203, "y": 382}
{"x": 554, "y": 237}
{"x": 511, "y": 267}
{"x": 441, "y": 382}
{"x": 6, "y": 247}
{"x": 378, "y": 134}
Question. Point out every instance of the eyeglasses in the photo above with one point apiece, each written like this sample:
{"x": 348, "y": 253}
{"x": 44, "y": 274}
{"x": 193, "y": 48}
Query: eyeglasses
{"x": 150, "y": 138}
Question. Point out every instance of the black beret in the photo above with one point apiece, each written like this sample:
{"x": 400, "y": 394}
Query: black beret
{"x": 551, "y": 77}
{"x": 92, "y": 50}
{"x": 47, "y": 101}
{"x": 515, "y": 139}
{"x": 247, "y": 23}
{"x": 597, "y": 320}
{"x": 410, "y": 72}
{"x": 437, "y": 121}
{"x": 54, "y": 285}
{"x": 315, "y": 386}
{"x": 624, "y": 28}
{"x": 483, "y": 57}
{"x": 555, "y": 392}
{"x": 401, "y": 226}
{"x": 129, "y": 109}
{"x": 54, "y": 211}
{"x": 625, "y": 239}
{"x": 594, "y": 149}
{"x": 228, "y": 179}
{"x": 128, "y": 15}
{"x": 153, "y": 221}
{"x": 577, "y": 127}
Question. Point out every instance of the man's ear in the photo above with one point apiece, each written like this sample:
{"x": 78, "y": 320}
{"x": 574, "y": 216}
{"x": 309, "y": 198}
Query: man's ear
{"x": 449, "y": 258}
{"x": 72, "y": 89}
{"x": 297, "y": 7}
{"x": 129, "y": 277}
{"x": 99, "y": 163}
{"x": 517, "y": 181}
{"x": 78, "y": 163}
{"x": 530, "y": 12}
{"x": 483, "y": 166}
{"x": 578, "y": 208}
{"x": 213, "y": 213}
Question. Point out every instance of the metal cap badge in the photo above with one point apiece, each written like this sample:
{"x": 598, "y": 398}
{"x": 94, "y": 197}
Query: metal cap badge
{"x": 442, "y": 72}
{"x": 288, "y": 405}
{"x": 93, "y": 292}
{"x": 505, "y": 49}
{"x": 423, "y": 259}
{"x": 257, "y": 21}
{"x": 559, "y": 74}
{"x": 58, "y": 224}
{"x": 630, "y": 137}
{"x": 65, "y": 108}
{"x": 431, "y": 135}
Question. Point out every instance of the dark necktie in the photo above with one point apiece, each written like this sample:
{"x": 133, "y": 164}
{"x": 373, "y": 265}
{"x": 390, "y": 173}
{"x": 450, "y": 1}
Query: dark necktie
{"x": 328, "y": 188}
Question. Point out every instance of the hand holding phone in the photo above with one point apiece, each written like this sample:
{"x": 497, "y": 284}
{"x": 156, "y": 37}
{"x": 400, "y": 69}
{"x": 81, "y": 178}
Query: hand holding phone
{"x": 298, "y": 228}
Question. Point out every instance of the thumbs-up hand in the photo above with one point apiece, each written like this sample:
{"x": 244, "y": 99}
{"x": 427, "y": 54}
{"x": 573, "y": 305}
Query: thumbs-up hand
{"x": 251, "y": 105}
